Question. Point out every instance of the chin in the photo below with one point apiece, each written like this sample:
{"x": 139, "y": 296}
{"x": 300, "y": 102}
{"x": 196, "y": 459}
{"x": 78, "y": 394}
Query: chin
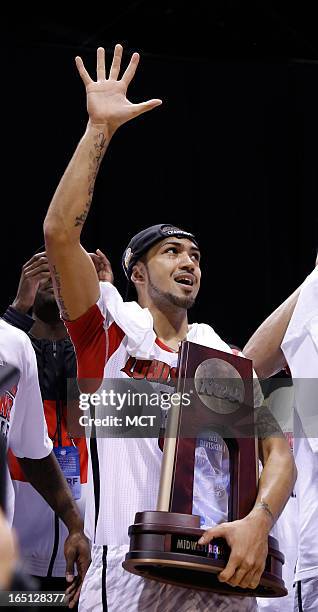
{"x": 179, "y": 299}
{"x": 182, "y": 301}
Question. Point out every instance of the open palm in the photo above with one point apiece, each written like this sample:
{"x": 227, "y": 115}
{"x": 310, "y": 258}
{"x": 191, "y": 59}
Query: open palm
{"x": 107, "y": 102}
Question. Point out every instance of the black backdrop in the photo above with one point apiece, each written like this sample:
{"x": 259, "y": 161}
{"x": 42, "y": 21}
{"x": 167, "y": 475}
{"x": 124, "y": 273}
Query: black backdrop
{"x": 231, "y": 155}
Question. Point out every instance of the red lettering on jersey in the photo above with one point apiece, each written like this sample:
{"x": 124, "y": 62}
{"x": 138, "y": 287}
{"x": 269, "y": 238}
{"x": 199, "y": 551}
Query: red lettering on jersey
{"x": 136, "y": 368}
{"x": 155, "y": 371}
{"x": 6, "y": 402}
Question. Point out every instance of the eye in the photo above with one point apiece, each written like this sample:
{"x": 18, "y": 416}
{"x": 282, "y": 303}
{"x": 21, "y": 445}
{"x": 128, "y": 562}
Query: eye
{"x": 171, "y": 250}
{"x": 196, "y": 256}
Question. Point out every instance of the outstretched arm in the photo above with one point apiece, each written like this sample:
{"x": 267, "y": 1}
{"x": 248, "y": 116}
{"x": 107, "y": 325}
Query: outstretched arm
{"x": 74, "y": 276}
{"x": 264, "y": 345}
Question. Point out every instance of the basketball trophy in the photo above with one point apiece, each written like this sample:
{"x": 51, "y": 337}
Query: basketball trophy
{"x": 209, "y": 475}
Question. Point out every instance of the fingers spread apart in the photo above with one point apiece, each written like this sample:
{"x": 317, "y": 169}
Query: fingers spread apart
{"x": 82, "y": 71}
{"x": 100, "y": 68}
{"x": 115, "y": 67}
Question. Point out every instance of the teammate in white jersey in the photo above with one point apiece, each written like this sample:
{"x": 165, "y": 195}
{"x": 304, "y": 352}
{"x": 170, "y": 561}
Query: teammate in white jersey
{"x": 290, "y": 335}
{"x": 22, "y": 423}
{"x": 141, "y": 340}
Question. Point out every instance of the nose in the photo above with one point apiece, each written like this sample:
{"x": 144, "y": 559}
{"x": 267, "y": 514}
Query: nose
{"x": 186, "y": 261}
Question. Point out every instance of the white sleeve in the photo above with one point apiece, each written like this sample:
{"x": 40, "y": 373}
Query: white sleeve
{"x": 103, "y": 300}
{"x": 28, "y": 436}
{"x": 134, "y": 321}
{"x": 300, "y": 347}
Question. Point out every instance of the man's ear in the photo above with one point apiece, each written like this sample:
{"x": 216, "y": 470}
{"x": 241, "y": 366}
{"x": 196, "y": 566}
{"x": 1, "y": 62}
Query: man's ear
{"x": 138, "y": 274}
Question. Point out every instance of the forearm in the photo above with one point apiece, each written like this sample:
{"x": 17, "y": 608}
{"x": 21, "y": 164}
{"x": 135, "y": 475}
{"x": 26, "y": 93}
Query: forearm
{"x": 46, "y": 477}
{"x": 264, "y": 346}
{"x": 71, "y": 202}
{"x": 63, "y": 224}
{"x": 275, "y": 485}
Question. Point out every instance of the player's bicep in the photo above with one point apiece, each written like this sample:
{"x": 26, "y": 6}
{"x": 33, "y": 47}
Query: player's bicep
{"x": 74, "y": 277}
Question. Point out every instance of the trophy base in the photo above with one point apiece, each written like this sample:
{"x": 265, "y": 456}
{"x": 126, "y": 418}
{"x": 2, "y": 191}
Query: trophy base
{"x": 163, "y": 547}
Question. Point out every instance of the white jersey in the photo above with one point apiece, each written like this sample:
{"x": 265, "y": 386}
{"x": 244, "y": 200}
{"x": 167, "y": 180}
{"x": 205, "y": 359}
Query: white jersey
{"x": 114, "y": 339}
{"x": 300, "y": 346}
{"x": 21, "y": 411}
{"x": 124, "y": 474}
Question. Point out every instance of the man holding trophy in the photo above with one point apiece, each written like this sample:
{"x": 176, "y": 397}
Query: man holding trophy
{"x": 116, "y": 339}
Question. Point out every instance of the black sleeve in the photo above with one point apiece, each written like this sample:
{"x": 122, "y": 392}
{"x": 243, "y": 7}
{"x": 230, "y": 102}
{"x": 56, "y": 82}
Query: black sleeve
{"x": 17, "y": 319}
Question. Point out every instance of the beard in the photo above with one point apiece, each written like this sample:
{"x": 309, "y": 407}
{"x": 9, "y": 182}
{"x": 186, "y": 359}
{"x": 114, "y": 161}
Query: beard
{"x": 46, "y": 308}
{"x": 167, "y": 298}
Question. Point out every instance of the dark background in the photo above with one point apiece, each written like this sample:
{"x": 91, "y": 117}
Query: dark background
{"x": 231, "y": 154}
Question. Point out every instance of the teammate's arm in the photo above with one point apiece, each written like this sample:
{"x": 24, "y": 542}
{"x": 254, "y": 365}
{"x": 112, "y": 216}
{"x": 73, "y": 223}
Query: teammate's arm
{"x": 264, "y": 345}
{"x": 8, "y": 552}
{"x": 46, "y": 477}
{"x": 74, "y": 276}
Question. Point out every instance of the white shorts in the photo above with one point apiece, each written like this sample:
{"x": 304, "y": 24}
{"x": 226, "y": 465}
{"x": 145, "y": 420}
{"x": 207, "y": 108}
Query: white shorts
{"x": 125, "y": 591}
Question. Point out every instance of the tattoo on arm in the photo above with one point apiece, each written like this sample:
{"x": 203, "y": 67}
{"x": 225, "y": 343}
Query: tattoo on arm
{"x": 262, "y": 504}
{"x": 59, "y": 297}
{"x": 95, "y": 160}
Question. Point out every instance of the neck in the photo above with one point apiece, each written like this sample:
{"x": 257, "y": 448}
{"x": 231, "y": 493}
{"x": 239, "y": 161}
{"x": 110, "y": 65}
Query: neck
{"x": 170, "y": 325}
{"x": 48, "y": 331}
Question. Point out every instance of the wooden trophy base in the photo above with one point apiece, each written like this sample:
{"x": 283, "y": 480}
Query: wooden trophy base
{"x": 163, "y": 547}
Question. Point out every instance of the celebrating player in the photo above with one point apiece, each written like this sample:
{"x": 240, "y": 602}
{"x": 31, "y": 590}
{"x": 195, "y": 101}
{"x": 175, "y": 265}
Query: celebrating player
{"x": 163, "y": 264}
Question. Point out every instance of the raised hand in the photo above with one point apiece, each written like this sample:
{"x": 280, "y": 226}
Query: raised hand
{"x": 107, "y": 103}
{"x": 34, "y": 272}
{"x": 103, "y": 266}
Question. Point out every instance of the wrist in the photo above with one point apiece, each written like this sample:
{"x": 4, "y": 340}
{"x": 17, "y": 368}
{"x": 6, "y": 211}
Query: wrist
{"x": 76, "y": 530}
{"x": 103, "y": 127}
{"x": 74, "y": 522}
{"x": 21, "y": 306}
{"x": 263, "y": 514}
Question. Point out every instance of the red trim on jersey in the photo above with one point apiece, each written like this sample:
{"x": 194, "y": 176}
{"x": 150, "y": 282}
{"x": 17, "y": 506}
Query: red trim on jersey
{"x": 14, "y": 467}
{"x": 89, "y": 338}
{"x": 164, "y": 346}
{"x": 90, "y": 341}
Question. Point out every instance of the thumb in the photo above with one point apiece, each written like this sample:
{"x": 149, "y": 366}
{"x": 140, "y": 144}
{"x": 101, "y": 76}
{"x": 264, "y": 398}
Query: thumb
{"x": 143, "y": 107}
{"x": 214, "y": 532}
{"x": 69, "y": 573}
